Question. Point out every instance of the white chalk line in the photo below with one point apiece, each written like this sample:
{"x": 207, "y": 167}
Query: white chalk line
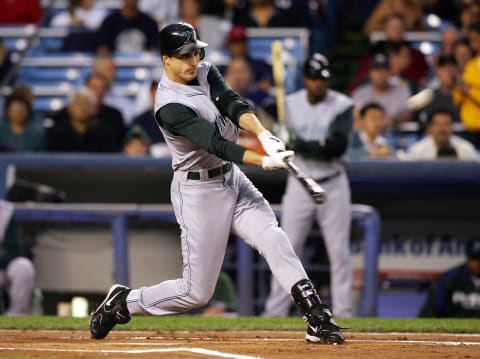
{"x": 393, "y": 341}
{"x": 411, "y": 341}
{"x": 139, "y": 351}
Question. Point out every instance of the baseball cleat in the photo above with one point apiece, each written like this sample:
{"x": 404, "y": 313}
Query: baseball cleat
{"x": 326, "y": 333}
{"x": 112, "y": 311}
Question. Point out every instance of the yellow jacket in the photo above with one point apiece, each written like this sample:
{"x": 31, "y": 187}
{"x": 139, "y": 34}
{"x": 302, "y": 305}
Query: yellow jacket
{"x": 470, "y": 103}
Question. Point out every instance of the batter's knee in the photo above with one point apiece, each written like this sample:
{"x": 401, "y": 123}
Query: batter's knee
{"x": 198, "y": 300}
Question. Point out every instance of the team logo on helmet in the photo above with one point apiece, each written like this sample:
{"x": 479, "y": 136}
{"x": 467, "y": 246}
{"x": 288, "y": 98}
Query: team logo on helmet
{"x": 189, "y": 36}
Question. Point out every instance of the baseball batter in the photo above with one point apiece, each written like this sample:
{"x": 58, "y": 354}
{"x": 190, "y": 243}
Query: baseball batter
{"x": 320, "y": 121}
{"x": 199, "y": 116}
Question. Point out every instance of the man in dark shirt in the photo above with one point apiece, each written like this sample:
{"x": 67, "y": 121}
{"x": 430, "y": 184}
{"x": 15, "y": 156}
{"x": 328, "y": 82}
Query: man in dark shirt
{"x": 127, "y": 30}
{"x": 107, "y": 115}
{"x": 80, "y": 132}
{"x": 456, "y": 293}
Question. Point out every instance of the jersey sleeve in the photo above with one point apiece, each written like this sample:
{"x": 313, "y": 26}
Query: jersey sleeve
{"x": 229, "y": 103}
{"x": 183, "y": 121}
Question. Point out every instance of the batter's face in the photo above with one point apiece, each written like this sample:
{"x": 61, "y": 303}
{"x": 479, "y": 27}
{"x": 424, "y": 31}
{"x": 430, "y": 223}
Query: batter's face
{"x": 182, "y": 68}
{"x": 316, "y": 88}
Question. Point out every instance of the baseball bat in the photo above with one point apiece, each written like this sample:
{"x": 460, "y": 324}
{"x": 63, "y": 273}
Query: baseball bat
{"x": 278, "y": 69}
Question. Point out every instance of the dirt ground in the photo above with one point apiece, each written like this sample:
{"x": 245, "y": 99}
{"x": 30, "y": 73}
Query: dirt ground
{"x": 236, "y": 345}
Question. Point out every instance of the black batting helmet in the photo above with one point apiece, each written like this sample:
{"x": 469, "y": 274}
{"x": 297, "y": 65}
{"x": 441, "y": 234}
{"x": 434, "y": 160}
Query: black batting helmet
{"x": 180, "y": 39}
{"x": 316, "y": 67}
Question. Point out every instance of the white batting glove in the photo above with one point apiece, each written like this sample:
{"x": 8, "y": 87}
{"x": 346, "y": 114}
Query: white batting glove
{"x": 277, "y": 160}
{"x": 270, "y": 143}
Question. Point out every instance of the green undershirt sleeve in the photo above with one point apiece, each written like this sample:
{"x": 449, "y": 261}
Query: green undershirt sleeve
{"x": 229, "y": 103}
{"x": 183, "y": 121}
{"x": 334, "y": 145}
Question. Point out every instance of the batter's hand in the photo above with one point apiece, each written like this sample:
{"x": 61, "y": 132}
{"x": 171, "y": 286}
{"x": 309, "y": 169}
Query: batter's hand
{"x": 277, "y": 160}
{"x": 270, "y": 143}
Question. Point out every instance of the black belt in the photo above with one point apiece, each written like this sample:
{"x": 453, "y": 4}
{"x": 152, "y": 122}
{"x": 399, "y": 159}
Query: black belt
{"x": 326, "y": 179}
{"x": 214, "y": 172}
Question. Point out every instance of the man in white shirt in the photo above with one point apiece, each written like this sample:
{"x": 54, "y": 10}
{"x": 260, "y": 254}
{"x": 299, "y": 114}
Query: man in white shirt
{"x": 440, "y": 141}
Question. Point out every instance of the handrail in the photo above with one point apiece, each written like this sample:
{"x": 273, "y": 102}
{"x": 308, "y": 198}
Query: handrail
{"x": 415, "y": 36}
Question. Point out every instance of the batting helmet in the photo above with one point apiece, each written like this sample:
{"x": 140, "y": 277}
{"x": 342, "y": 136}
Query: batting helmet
{"x": 316, "y": 67}
{"x": 180, "y": 39}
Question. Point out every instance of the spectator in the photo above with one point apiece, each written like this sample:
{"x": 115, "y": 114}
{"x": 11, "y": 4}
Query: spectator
{"x": 107, "y": 115}
{"x": 211, "y": 29}
{"x": 410, "y": 10}
{"x": 468, "y": 15}
{"x": 467, "y": 93}
{"x": 5, "y": 63}
{"x": 237, "y": 46}
{"x": 463, "y": 53}
{"x": 263, "y": 13}
{"x": 17, "y": 130}
{"x": 456, "y": 293}
{"x": 105, "y": 66}
{"x": 450, "y": 36}
{"x": 127, "y": 30}
{"x": 445, "y": 80}
{"x": 136, "y": 142}
{"x": 394, "y": 29}
{"x": 391, "y": 95}
{"x": 440, "y": 142}
{"x": 399, "y": 59}
{"x": 146, "y": 120}
{"x": 17, "y": 273}
{"x": 367, "y": 140}
{"x": 81, "y": 13}
{"x": 239, "y": 76}
{"x": 80, "y": 133}
{"x": 17, "y": 12}
{"x": 163, "y": 11}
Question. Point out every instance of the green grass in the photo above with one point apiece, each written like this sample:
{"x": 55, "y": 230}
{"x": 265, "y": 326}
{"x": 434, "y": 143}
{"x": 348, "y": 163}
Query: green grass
{"x": 194, "y": 323}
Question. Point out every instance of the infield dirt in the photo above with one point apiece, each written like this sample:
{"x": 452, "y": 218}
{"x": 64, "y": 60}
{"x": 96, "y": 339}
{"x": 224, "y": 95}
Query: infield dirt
{"x": 243, "y": 345}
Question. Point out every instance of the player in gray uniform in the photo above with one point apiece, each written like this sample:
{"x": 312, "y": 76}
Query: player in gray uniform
{"x": 320, "y": 121}
{"x": 199, "y": 116}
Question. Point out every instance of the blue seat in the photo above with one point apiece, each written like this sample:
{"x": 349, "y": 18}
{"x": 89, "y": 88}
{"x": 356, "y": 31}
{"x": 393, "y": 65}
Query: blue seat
{"x": 52, "y": 75}
{"x": 49, "y": 104}
{"x": 131, "y": 73}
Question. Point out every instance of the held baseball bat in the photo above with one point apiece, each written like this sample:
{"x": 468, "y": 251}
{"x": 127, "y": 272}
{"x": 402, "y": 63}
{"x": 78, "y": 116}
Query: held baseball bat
{"x": 278, "y": 68}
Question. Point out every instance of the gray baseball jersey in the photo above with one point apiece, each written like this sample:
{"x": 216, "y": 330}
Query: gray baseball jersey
{"x": 211, "y": 198}
{"x": 313, "y": 124}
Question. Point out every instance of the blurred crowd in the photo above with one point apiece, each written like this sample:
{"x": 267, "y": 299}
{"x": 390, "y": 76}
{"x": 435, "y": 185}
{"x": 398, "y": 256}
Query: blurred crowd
{"x": 387, "y": 73}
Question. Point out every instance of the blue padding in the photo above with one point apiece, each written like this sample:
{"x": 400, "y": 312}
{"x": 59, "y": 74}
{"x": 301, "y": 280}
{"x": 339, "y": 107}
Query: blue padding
{"x": 400, "y": 304}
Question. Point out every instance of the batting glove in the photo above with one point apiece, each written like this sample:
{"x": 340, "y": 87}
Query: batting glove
{"x": 270, "y": 143}
{"x": 277, "y": 160}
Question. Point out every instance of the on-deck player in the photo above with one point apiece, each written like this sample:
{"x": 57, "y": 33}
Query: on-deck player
{"x": 199, "y": 116}
{"x": 320, "y": 121}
